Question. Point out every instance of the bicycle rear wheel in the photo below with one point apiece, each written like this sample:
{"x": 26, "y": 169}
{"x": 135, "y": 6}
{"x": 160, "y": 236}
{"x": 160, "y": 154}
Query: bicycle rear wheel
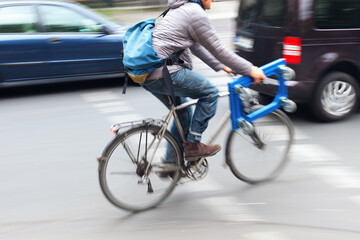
{"x": 123, "y": 168}
{"x": 254, "y": 164}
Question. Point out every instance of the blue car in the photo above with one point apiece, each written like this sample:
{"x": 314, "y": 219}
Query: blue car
{"x": 56, "y": 41}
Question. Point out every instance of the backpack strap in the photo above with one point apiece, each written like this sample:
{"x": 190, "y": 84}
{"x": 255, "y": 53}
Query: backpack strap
{"x": 164, "y": 13}
{"x": 125, "y": 81}
{"x": 174, "y": 58}
{"x": 171, "y": 60}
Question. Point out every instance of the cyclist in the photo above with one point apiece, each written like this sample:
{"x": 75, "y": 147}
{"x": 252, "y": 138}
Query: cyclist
{"x": 186, "y": 26}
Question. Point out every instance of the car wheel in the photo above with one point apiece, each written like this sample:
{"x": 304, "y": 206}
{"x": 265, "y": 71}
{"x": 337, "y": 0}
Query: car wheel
{"x": 335, "y": 97}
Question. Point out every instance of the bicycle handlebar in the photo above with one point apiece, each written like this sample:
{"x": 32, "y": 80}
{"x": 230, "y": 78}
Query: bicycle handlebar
{"x": 236, "y": 92}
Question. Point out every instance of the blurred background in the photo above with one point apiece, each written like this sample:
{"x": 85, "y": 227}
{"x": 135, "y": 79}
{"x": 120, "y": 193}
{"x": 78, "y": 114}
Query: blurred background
{"x": 121, "y": 3}
{"x": 125, "y": 3}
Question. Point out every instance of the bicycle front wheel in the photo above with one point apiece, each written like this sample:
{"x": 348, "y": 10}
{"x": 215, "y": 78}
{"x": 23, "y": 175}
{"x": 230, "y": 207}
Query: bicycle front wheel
{"x": 129, "y": 178}
{"x": 254, "y": 164}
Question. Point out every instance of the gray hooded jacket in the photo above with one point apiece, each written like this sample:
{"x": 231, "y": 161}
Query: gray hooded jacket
{"x": 186, "y": 26}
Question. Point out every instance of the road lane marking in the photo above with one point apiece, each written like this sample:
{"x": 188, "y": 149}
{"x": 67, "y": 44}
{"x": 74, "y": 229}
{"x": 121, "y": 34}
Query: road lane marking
{"x": 207, "y": 184}
{"x": 115, "y": 109}
{"x": 110, "y": 104}
{"x": 356, "y": 200}
{"x": 229, "y": 209}
{"x": 100, "y": 96}
{"x": 265, "y": 236}
{"x": 113, "y": 105}
{"x": 226, "y": 208}
{"x": 338, "y": 176}
{"x": 326, "y": 165}
{"x": 313, "y": 153}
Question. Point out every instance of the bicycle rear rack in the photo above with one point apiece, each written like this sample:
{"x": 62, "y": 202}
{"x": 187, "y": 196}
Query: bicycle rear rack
{"x": 238, "y": 95}
{"x": 122, "y": 127}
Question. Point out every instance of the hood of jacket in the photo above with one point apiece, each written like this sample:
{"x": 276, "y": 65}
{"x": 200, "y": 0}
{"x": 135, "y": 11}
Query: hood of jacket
{"x": 177, "y": 3}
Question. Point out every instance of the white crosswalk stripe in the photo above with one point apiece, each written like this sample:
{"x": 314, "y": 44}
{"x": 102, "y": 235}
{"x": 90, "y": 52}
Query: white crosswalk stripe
{"x": 124, "y": 118}
{"x": 313, "y": 153}
{"x": 109, "y": 103}
{"x": 100, "y": 96}
{"x": 265, "y": 236}
{"x": 230, "y": 209}
{"x": 326, "y": 165}
{"x": 227, "y": 207}
{"x": 338, "y": 176}
{"x": 115, "y": 109}
{"x": 356, "y": 200}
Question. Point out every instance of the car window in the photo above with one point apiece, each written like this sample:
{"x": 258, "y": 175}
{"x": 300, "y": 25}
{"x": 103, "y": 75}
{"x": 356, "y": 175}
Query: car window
{"x": 265, "y": 12}
{"x": 61, "y": 19}
{"x": 337, "y": 14}
{"x": 17, "y": 19}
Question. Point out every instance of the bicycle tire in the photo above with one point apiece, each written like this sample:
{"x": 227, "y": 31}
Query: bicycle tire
{"x": 255, "y": 165}
{"x": 127, "y": 193}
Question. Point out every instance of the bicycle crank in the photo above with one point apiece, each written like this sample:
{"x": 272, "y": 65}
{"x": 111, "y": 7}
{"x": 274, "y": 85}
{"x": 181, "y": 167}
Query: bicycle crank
{"x": 195, "y": 172}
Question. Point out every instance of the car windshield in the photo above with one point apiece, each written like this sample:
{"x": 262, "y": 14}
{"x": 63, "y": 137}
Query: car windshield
{"x": 264, "y": 12}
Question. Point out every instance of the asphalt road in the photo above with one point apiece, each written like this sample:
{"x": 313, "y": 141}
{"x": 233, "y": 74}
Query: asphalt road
{"x": 51, "y": 136}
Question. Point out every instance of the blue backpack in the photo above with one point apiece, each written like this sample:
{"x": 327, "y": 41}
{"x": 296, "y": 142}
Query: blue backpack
{"x": 139, "y": 58}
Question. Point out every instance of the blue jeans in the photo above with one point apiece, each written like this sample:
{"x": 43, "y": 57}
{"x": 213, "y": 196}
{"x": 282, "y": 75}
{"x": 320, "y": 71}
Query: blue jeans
{"x": 188, "y": 84}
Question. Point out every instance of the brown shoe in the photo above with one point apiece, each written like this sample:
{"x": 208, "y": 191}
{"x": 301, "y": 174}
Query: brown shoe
{"x": 194, "y": 151}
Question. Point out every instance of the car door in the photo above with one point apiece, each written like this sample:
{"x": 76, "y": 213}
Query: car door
{"x": 78, "y": 44}
{"x": 23, "y": 49}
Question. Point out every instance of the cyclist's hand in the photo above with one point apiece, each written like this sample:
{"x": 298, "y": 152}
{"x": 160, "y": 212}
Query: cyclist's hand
{"x": 227, "y": 69}
{"x": 257, "y": 74}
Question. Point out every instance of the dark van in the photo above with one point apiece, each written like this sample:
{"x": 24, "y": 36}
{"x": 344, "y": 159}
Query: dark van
{"x": 320, "y": 40}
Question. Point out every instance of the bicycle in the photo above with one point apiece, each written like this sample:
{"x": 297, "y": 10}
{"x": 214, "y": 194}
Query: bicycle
{"x": 134, "y": 177}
